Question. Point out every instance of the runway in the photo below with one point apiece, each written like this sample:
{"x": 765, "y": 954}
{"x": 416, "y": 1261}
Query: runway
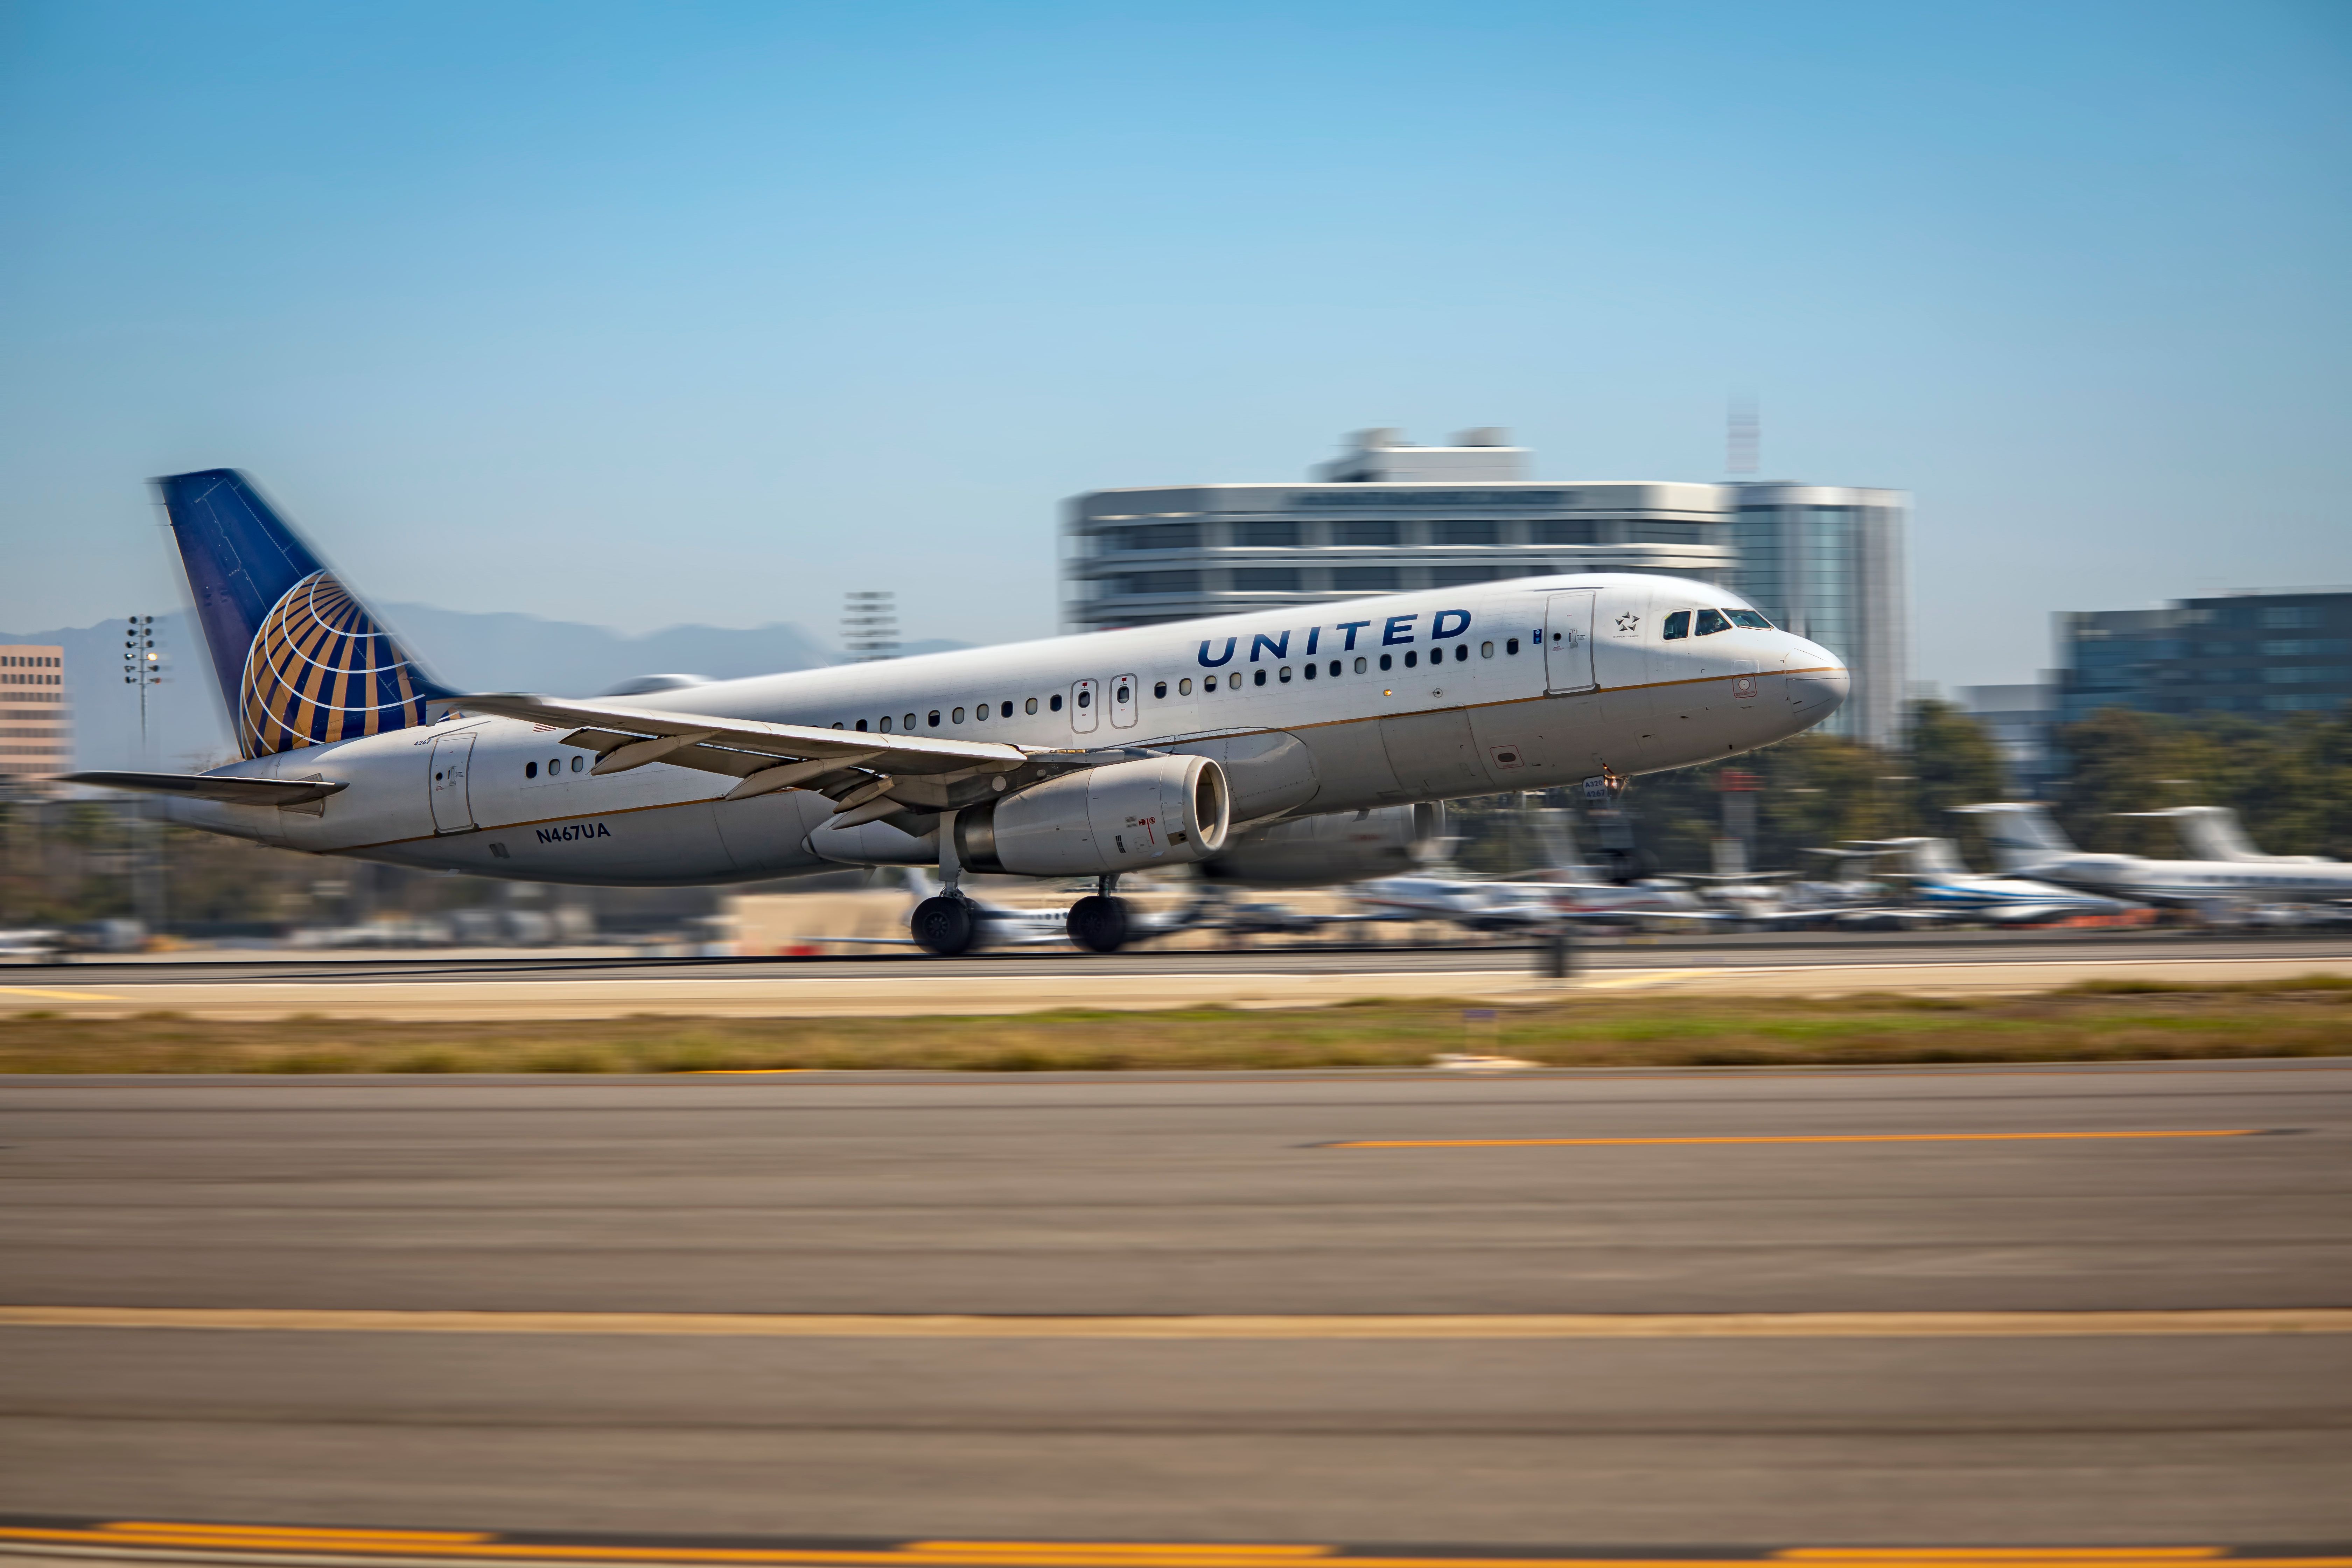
{"x": 891, "y": 983}
{"x": 1559, "y": 1313}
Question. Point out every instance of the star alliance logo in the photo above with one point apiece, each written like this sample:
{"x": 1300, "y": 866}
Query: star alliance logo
{"x": 1628, "y": 621}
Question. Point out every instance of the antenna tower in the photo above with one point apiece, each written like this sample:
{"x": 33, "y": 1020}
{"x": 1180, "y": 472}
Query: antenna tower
{"x": 869, "y": 625}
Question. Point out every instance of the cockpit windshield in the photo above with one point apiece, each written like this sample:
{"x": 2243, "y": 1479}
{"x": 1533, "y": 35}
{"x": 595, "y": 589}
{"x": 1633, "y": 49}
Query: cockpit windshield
{"x": 1750, "y": 618}
{"x": 1711, "y": 622}
{"x": 1677, "y": 625}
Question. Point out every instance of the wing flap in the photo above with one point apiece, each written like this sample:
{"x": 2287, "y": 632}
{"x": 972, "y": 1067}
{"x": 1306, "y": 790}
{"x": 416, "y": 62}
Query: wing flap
{"x": 740, "y": 747}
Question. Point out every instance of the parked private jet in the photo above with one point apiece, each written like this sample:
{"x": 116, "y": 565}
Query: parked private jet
{"x": 1948, "y": 889}
{"x": 1090, "y": 755}
{"x": 2026, "y": 843}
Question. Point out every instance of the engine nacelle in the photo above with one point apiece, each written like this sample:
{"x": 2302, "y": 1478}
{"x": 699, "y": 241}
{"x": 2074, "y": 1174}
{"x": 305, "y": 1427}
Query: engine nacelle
{"x": 1337, "y": 846}
{"x": 1128, "y": 817}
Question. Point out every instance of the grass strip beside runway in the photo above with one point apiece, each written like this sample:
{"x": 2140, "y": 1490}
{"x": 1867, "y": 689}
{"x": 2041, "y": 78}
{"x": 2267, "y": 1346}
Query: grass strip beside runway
{"x": 2310, "y": 1016}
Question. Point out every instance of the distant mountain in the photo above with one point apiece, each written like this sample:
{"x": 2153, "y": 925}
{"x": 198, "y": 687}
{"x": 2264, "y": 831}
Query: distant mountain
{"x": 187, "y": 727}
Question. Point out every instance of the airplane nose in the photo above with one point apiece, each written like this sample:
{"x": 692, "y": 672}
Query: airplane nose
{"x": 1819, "y": 690}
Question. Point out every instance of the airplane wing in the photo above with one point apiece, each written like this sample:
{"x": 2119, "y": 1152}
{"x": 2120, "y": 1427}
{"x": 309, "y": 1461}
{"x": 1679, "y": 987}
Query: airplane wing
{"x": 914, "y": 770}
{"x": 229, "y": 789}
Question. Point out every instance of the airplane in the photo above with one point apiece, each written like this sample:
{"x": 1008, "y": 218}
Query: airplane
{"x": 1090, "y": 755}
{"x": 1948, "y": 889}
{"x": 2026, "y": 843}
{"x": 31, "y": 942}
{"x": 1570, "y": 890}
{"x": 2214, "y": 833}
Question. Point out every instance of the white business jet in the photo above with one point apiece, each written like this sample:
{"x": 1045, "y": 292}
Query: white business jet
{"x": 2026, "y": 843}
{"x": 1091, "y": 755}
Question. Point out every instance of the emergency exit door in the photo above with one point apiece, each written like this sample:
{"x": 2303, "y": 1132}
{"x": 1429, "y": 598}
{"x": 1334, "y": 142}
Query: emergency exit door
{"x": 1568, "y": 641}
{"x": 453, "y": 805}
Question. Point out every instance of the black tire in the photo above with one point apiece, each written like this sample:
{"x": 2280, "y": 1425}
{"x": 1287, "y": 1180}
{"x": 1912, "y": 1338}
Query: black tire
{"x": 1098, "y": 924}
{"x": 943, "y": 927}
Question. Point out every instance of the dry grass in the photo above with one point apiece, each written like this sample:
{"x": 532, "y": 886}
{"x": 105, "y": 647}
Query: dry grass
{"x": 2096, "y": 1021}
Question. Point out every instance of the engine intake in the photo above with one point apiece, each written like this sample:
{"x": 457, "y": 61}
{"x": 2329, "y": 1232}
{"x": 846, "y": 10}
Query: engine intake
{"x": 1126, "y": 816}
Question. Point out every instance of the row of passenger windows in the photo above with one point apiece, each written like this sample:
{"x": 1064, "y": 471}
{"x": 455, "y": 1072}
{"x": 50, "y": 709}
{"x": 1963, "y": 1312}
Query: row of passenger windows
{"x": 1710, "y": 622}
{"x": 1313, "y": 671}
{"x": 554, "y": 766}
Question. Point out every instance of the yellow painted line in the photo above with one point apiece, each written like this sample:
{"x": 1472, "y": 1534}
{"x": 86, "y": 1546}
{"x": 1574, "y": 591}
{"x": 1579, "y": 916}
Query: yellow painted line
{"x": 1989, "y": 1553}
{"x": 58, "y": 995}
{"x": 307, "y": 1533}
{"x": 1207, "y": 1326}
{"x": 1059, "y": 1554}
{"x": 1649, "y": 977}
{"x": 1783, "y": 1138}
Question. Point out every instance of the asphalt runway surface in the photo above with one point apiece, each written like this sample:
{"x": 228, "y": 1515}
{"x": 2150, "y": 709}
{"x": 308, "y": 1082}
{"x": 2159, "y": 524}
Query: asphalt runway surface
{"x": 1471, "y": 953}
{"x": 1148, "y": 1284}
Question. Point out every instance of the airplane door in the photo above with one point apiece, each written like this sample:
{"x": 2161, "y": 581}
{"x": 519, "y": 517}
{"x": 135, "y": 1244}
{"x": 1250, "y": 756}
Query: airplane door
{"x": 453, "y": 806}
{"x": 1126, "y": 702}
{"x": 1084, "y": 714}
{"x": 1568, "y": 641}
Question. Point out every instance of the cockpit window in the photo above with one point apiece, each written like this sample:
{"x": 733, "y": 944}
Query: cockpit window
{"x": 1677, "y": 624}
{"x": 1711, "y": 622}
{"x": 1751, "y": 619}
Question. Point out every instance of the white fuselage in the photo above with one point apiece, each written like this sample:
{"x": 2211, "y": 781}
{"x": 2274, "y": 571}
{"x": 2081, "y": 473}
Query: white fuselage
{"x": 1505, "y": 685}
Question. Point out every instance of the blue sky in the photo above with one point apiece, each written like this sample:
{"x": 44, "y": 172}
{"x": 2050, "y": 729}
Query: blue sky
{"x": 641, "y": 315}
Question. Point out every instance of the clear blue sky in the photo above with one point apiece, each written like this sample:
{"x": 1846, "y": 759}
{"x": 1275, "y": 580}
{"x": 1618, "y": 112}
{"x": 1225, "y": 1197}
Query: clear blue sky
{"x": 641, "y": 315}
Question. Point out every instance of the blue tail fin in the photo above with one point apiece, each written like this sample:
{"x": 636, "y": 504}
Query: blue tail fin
{"x": 300, "y": 660}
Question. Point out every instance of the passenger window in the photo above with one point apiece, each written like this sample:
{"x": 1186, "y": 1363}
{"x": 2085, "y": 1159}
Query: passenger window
{"x": 1085, "y": 699}
{"x": 910, "y": 721}
{"x": 1033, "y": 704}
{"x": 1184, "y": 687}
{"x": 1412, "y": 658}
{"x": 1359, "y": 664}
{"x": 980, "y": 712}
{"x": 1159, "y": 689}
{"x": 836, "y": 724}
{"x": 1311, "y": 672}
{"x": 1335, "y": 667}
{"x": 1006, "y": 712}
{"x": 861, "y": 723}
{"x": 554, "y": 764}
{"x": 1750, "y": 619}
{"x": 1387, "y": 660}
{"x": 935, "y": 718}
{"x": 1461, "y": 651}
{"x": 956, "y": 716}
{"x": 1054, "y": 702}
{"x": 1258, "y": 679}
{"x": 1485, "y": 650}
{"x": 1677, "y": 625}
{"x": 577, "y": 763}
{"x": 886, "y": 724}
{"x": 1711, "y": 622}
{"x": 1208, "y": 683}
{"x": 1285, "y": 675}
{"x": 530, "y": 770}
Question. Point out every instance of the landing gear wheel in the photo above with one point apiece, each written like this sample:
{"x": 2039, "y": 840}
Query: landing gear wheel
{"x": 944, "y": 927}
{"x": 1098, "y": 923}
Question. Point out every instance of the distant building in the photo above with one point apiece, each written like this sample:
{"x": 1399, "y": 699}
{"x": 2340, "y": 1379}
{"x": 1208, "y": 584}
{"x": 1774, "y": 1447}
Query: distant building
{"x": 1384, "y": 518}
{"x": 36, "y": 720}
{"x": 1827, "y": 563}
{"x": 2018, "y": 720}
{"x": 2261, "y": 654}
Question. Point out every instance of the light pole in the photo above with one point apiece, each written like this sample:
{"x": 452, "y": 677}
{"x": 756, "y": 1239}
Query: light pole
{"x": 143, "y": 667}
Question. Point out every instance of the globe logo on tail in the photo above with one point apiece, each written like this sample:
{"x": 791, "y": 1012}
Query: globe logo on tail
{"x": 319, "y": 670}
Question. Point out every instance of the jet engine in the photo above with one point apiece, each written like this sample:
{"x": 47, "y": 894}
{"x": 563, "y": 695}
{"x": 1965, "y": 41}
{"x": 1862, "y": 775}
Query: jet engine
{"x": 1337, "y": 846}
{"x": 1126, "y": 816}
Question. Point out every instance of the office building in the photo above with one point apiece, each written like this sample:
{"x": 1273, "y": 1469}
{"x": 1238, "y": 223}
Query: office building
{"x": 36, "y": 720}
{"x": 2261, "y": 654}
{"x": 1384, "y": 518}
{"x": 1827, "y": 562}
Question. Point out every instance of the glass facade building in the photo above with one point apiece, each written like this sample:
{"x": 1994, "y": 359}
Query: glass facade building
{"x": 2264, "y": 655}
{"x": 1827, "y": 562}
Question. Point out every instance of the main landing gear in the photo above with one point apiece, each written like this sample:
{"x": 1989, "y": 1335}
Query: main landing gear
{"x": 944, "y": 926}
{"x": 1099, "y": 922}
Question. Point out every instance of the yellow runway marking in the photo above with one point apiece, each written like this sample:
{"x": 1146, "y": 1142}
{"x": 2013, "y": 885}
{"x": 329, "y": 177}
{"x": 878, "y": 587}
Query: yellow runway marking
{"x": 56, "y": 996}
{"x": 204, "y": 1543}
{"x": 1207, "y": 1326}
{"x": 1781, "y": 1138}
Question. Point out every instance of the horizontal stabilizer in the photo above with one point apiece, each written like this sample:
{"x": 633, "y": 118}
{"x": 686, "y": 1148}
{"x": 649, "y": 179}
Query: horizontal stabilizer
{"x": 229, "y": 789}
